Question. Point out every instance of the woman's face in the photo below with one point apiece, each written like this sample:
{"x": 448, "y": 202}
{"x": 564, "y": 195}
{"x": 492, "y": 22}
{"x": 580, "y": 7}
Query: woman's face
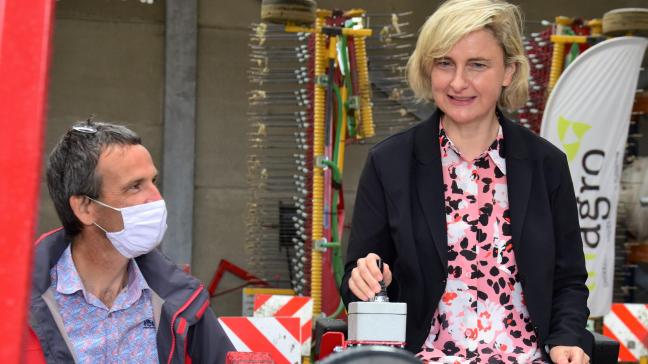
{"x": 467, "y": 82}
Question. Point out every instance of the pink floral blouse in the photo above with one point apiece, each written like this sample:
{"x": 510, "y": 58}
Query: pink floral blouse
{"x": 482, "y": 316}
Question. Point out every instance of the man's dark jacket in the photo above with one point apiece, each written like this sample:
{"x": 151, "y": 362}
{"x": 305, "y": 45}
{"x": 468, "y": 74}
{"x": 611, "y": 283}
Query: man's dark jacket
{"x": 399, "y": 214}
{"x": 188, "y": 331}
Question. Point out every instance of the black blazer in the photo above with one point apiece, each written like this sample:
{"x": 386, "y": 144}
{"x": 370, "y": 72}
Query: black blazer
{"x": 399, "y": 214}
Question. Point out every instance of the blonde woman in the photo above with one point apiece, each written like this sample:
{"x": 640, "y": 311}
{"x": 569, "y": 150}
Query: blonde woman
{"x": 474, "y": 216}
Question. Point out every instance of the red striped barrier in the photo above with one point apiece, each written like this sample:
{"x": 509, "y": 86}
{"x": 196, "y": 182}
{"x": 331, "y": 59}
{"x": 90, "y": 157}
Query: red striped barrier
{"x": 277, "y": 336}
{"x": 288, "y": 306}
{"x": 627, "y": 323}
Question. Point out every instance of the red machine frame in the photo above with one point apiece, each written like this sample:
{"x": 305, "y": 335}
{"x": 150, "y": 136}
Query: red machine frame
{"x": 25, "y": 38}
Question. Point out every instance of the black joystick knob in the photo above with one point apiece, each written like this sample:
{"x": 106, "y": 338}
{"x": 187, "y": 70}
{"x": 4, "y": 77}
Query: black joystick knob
{"x": 382, "y": 295}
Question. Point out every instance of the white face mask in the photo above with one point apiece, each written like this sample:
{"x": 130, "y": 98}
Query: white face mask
{"x": 144, "y": 228}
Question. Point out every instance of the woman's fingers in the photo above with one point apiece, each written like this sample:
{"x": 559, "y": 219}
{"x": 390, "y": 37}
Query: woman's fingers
{"x": 371, "y": 263}
{"x": 366, "y": 276}
{"x": 568, "y": 355}
{"x": 355, "y": 290}
{"x": 369, "y": 272}
{"x": 387, "y": 275}
{"x": 358, "y": 286}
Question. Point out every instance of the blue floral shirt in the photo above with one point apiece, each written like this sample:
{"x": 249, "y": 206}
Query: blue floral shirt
{"x": 125, "y": 333}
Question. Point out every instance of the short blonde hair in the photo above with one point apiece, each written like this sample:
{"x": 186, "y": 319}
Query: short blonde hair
{"x": 452, "y": 21}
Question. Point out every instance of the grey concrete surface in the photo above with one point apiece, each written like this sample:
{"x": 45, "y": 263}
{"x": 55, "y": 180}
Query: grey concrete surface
{"x": 108, "y": 59}
{"x": 220, "y": 234}
{"x": 111, "y": 67}
{"x": 222, "y": 105}
{"x": 179, "y": 153}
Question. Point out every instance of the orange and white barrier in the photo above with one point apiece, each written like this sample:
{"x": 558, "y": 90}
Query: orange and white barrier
{"x": 249, "y": 294}
{"x": 288, "y": 306}
{"x": 277, "y": 336}
{"x": 627, "y": 323}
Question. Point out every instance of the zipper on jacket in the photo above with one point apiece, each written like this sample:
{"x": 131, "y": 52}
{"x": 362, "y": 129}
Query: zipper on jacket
{"x": 175, "y": 316}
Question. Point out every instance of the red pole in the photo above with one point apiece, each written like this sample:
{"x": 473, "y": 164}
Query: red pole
{"x": 25, "y": 34}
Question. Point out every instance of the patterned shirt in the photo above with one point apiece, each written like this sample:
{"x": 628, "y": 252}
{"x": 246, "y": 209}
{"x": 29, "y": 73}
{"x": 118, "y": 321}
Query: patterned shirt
{"x": 482, "y": 316}
{"x": 125, "y": 333}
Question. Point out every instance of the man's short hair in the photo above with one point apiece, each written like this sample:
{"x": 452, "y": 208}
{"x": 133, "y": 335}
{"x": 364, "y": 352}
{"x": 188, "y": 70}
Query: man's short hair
{"x": 71, "y": 167}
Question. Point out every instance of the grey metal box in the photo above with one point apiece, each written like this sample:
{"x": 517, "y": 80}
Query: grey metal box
{"x": 377, "y": 321}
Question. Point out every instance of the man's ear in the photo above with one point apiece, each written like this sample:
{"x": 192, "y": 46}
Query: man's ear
{"x": 80, "y": 205}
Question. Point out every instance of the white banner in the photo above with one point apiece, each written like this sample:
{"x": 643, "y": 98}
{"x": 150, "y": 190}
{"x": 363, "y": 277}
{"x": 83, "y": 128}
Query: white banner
{"x": 587, "y": 116}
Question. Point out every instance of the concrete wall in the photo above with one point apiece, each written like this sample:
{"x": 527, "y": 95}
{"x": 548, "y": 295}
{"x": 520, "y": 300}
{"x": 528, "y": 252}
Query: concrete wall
{"x": 108, "y": 60}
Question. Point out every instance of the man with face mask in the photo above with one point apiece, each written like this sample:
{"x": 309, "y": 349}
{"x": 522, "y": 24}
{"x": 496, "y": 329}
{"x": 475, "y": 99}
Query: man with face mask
{"x": 101, "y": 291}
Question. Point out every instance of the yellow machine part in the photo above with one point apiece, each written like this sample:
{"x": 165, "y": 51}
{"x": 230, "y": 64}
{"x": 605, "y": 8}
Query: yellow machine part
{"x": 342, "y": 143}
{"x": 319, "y": 106}
{"x": 367, "y": 128}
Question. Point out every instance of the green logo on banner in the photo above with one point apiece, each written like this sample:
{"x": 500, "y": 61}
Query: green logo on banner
{"x": 571, "y": 133}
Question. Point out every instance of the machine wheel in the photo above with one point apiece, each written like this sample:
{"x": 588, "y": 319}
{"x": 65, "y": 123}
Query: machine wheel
{"x": 371, "y": 355}
{"x": 288, "y": 11}
{"x": 620, "y": 22}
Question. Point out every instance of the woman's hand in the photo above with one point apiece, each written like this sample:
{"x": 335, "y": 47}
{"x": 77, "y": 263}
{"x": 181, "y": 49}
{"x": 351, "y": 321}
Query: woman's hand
{"x": 365, "y": 277}
{"x": 568, "y": 354}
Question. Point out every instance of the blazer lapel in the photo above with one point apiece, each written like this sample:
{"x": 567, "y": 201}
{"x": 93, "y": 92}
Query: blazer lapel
{"x": 519, "y": 175}
{"x": 429, "y": 180}
{"x": 519, "y": 185}
{"x": 429, "y": 184}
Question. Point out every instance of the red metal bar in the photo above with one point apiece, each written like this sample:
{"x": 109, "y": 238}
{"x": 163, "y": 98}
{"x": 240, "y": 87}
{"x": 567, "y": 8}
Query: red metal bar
{"x": 248, "y": 358}
{"x": 227, "y": 266}
{"x": 25, "y": 35}
{"x": 330, "y": 340}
